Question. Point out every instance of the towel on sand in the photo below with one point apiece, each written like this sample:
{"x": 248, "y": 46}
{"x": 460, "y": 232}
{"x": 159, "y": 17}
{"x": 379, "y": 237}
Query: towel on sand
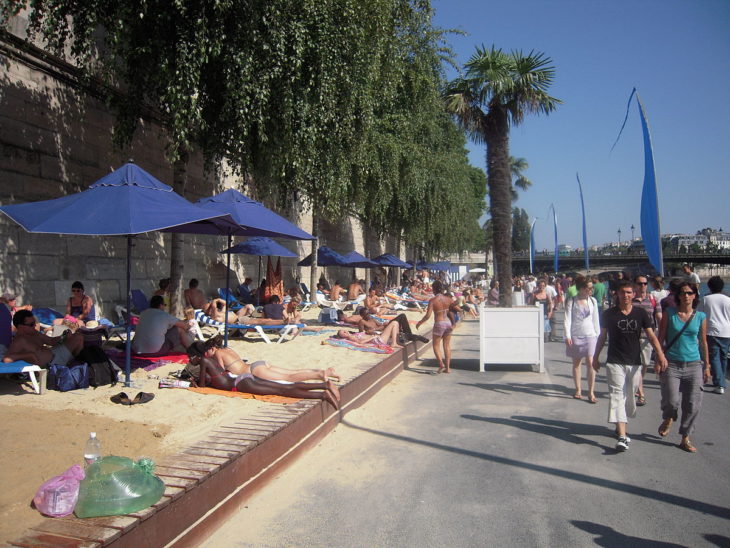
{"x": 147, "y": 362}
{"x": 377, "y": 349}
{"x": 244, "y": 395}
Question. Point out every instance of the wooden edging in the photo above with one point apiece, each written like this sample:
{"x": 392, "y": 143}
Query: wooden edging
{"x": 209, "y": 480}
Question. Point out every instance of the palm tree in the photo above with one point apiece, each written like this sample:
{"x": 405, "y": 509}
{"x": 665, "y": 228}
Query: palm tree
{"x": 498, "y": 90}
{"x": 516, "y": 167}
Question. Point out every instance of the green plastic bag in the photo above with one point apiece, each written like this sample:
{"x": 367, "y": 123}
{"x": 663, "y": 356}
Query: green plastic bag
{"x": 116, "y": 486}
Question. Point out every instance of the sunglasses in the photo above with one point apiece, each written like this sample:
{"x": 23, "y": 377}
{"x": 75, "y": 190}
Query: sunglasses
{"x": 75, "y": 291}
{"x": 31, "y": 324}
{"x": 642, "y": 283}
{"x": 687, "y": 293}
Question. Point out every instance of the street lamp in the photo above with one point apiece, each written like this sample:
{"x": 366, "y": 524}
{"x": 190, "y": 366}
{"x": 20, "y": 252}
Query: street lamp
{"x": 632, "y": 232}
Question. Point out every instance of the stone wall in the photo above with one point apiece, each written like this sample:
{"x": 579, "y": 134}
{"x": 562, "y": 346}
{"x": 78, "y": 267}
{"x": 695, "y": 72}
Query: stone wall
{"x": 56, "y": 139}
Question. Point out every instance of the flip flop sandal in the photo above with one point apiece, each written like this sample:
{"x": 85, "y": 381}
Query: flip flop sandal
{"x": 641, "y": 401}
{"x": 142, "y": 397}
{"x": 121, "y": 398}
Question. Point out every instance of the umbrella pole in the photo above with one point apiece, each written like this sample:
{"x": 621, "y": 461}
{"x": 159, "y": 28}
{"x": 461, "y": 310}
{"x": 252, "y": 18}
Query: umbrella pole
{"x": 128, "y": 343}
{"x": 259, "y": 284}
{"x": 228, "y": 282}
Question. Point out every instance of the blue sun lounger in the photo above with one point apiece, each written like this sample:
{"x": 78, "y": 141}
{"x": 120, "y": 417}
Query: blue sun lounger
{"x": 286, "y": 331}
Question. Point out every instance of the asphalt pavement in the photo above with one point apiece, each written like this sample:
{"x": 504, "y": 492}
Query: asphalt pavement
{"x": 500, "y": 458}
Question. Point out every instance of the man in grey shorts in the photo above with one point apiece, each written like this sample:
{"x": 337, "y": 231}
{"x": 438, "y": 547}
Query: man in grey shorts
{"x": 36, "y": 348}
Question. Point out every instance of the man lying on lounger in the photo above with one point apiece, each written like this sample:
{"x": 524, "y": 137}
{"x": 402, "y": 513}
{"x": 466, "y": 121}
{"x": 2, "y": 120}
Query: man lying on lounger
{"x": 39, "y": 349}
{"x": 225, "y": 370}
{"x": 159, "y": 332}
{"x": 216, "y": 309}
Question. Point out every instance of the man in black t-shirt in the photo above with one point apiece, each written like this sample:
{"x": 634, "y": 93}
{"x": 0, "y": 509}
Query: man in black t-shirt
{"x": 623, "y": 325}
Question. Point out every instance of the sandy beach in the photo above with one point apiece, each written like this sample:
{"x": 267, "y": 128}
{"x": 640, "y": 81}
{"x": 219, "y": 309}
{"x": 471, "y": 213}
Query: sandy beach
{"x": 44, "y": 435}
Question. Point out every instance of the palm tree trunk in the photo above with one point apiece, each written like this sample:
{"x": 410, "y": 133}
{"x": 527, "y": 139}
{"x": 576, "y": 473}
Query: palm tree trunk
{"x": 177, "y": 254}
{"x": 500, "y": 199}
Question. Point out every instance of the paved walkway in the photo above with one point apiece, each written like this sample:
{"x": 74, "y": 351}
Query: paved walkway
{"x": 502, "y": 458}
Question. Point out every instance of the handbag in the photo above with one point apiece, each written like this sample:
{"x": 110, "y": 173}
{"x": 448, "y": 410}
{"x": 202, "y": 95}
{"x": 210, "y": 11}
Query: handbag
{"x": 64, "y": 378}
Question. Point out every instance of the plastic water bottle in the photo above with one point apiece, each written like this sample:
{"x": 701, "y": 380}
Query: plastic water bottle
{"x": 92, "y": 450}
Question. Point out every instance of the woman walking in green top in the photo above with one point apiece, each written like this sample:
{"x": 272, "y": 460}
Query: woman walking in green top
{"x": 682, "y": 334}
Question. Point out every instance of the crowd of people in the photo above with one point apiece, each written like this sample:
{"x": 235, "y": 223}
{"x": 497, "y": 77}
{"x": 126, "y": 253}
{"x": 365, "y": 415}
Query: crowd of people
{"x": 642, "y": 322}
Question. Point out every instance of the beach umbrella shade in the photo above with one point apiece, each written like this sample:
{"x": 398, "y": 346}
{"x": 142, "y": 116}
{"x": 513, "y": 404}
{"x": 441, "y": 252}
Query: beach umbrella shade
{"x": 391, "y": 260}
{"x": 253, "y": 219}
{"x": 355, "y": 260}
{"x": 325, "y": 257}
{"x": 126, "y": 202}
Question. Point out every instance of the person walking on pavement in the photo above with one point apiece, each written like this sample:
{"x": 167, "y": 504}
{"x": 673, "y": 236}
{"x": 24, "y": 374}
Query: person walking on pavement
{"x": 622, "y": 325}
{"x": 442, "y": 326}
{"x": 716, "y": 306}
{"x": 581, "y": 332}
{"x": 646, "y": 301}
{"x": 682, "y": 332}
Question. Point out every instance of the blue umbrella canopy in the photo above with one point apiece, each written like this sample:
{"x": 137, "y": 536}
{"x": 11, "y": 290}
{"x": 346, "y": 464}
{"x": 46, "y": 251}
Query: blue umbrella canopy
{"x": 325, "y": 257}
{"x": 126, "y": 202}
{"x": 391, "y": 260}
{"x": 260, "y": 246}
{"x": 356, "y": 260}
{"x": 253, "y": 217}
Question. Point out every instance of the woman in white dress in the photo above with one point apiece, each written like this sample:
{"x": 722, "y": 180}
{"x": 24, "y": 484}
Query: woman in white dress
{"x": 581, "y": 332}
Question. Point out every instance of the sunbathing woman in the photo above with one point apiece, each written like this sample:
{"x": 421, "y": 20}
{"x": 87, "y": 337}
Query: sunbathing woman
{"x": 222, "y": 379}
{"x": 389, "y": 336}
{"x": 229, "y": 360}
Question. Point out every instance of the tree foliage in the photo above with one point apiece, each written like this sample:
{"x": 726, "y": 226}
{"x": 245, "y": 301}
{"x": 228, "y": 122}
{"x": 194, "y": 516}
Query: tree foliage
{"x": 520, "y": 230}
{"x": 333, "y": 101}
{"x": 498, "y": 90}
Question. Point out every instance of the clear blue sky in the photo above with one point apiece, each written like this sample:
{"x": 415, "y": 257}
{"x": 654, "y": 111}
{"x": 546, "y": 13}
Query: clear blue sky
{"x": 677, "y": 55}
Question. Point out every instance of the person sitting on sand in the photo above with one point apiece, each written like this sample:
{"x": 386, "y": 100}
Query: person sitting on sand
{"x": 164, "y": 292}
{"x": 368, "y": 324}
{"x": 374, "y": 305}
{"x": 39, "y": 349}
{"x": 244, "y": 291}
{"x": 79, "y": 306}
{"x": 194, "y": 296}
{"x": 225, "y": 370}
{"x": 292, "y": 314}
{"x": 158, "y": 332}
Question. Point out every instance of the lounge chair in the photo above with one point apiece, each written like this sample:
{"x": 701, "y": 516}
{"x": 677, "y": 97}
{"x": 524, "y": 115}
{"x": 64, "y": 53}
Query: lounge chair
{"x": 326, "y": 303}
{"x": 45, "y": 316}
{"x": 39, "y": 385}
{"x": 140, "y": 303}
{"x": 286, "y": 331}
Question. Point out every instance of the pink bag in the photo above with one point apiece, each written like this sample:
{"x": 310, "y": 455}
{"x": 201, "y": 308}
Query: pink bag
{"x": 57, "y": 497}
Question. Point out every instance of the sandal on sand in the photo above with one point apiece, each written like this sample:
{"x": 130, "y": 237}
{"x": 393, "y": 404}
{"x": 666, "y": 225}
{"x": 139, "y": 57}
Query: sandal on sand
{"x": 665, "y": 426}
{"x": 121, "y": 398}
{"x": 687, "y": 446}
{"x": 142, "y": 397}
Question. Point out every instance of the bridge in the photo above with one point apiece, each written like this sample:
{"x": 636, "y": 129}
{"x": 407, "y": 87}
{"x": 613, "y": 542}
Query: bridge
{"x": 544, "y": 262}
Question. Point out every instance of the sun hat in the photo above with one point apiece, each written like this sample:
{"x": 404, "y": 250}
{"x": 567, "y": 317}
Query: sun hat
{"x": 8, "y": 296}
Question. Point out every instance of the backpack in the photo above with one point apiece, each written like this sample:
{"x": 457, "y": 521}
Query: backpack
{"x": 64, "y": 378}
{"x": 101, "y": 370}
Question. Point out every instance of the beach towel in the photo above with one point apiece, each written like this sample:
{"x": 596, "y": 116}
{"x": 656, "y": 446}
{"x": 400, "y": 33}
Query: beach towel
{"x": 377, "y": 349}
{"x": 148, "y": 363}
{"x": 244, "y": 395}
{"x": 274, "y": 281}
{"x": 304, "y": 332}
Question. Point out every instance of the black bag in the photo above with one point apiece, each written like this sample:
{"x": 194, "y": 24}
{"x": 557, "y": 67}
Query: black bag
{"x": 101, "y": 371}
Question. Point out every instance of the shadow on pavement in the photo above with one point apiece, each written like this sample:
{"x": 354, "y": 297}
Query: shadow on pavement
{"x": 618, "y": 486}
{"x": 717, "y": 540}
{"x": 533, "y": 389}
{"x": 611, "y": 537}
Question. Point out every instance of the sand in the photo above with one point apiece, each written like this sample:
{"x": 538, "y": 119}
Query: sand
{"x": 44, "y": 435}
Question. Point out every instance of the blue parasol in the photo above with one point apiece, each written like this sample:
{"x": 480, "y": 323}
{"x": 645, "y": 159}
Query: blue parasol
{"x": 126, "y": 202}
{"x": 391, "y": 260}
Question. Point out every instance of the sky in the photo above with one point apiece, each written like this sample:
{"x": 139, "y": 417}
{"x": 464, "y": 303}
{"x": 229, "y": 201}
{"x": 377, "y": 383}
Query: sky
{"x": 676, "y": 53}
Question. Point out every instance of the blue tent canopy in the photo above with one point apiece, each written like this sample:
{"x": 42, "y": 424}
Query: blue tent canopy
{"x": 325, "y": 257}
{"x": 260, "y": 246}
{"x": 391, "y": 260}
{"x": 126, "y": 202}
{"x": 356, "y": 260}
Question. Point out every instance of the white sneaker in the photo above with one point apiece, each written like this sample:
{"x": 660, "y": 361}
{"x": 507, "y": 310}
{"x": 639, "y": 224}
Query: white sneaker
{"x": 622, "y": 444}
{"x": 719, "y": 390}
